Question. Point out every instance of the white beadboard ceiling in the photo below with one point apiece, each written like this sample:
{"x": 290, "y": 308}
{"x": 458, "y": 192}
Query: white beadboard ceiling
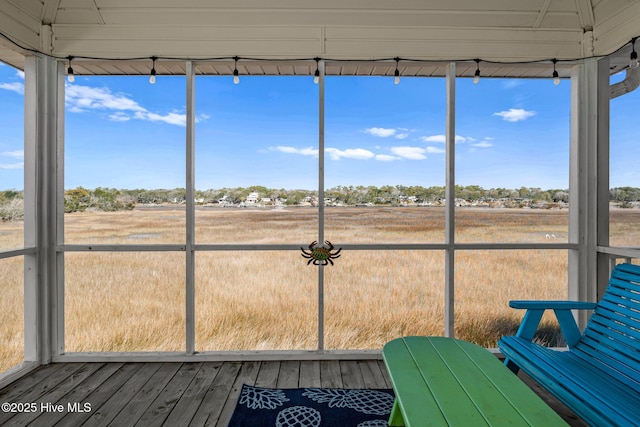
{"x": 355, "y": 37}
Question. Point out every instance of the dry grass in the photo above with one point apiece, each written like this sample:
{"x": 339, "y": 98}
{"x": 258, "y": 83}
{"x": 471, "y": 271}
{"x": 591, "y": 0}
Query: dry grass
{"x": 268, "y": 299}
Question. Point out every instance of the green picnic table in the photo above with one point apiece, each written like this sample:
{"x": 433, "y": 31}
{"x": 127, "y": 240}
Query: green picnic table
{"x": 442, "y": 381}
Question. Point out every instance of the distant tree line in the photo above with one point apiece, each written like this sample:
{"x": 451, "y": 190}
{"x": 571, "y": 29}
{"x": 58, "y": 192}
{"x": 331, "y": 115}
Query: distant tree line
{"x": 110, "y": 199}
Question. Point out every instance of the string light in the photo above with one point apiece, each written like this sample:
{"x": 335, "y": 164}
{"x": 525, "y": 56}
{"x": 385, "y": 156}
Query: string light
{"x": 316, "y": 75}
{"x": 396, "y": 74}
{"x": 633, "y": 59}
{"x": 476, "y": 76}
{"x": 556, "y": 77}
{"x": 70, "y": 75}
{"x": 236, "y": 77}
{"x": 152, "y": 75}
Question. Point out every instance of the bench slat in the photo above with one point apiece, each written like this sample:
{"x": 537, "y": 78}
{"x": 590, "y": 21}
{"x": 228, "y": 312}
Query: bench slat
{"x": 574, "y": 382}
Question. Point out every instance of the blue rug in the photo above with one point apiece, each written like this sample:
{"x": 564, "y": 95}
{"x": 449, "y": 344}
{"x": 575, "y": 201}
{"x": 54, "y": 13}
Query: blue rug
{"x": 312, "y": 407}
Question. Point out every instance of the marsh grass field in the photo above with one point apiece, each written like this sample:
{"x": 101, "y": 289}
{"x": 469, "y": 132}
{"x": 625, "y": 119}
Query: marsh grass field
{"x": 135, "y": 301}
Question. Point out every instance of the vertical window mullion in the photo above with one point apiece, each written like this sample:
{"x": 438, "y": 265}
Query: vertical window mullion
{"x": 321, "y": 202}
{"x": 450, "y": 205}
{"x": 190, "y": 211}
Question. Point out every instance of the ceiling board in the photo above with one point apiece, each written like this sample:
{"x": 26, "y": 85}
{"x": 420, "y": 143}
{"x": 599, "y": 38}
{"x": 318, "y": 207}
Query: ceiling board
{"x": 501, "y": 30}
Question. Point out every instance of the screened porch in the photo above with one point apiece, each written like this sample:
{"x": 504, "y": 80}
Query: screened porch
{"x": 217, "y": 272}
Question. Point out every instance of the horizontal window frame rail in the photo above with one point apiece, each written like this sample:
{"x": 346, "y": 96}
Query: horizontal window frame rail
{"x": 213, "y": 356}
{"x": 620, "y": 251}
{"x": 18, "y": 252}
{"x": 296, "y": 247}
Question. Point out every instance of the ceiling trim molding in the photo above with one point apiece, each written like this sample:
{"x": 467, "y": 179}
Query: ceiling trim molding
{"x": 96, "y": 11}
{"x": 49, "y": 11}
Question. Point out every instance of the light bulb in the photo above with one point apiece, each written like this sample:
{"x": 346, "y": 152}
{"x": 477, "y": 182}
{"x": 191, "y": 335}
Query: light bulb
{"x": 70, "y": 75}
{"x": 316, "y": 77}
{"x": 236, "y": 77}
{"x": 556, "y": 78}
{"x": 633, "y": 61}
{"x": 476, "y": 76}
{"x": 396, "y": 74}
{"x": 152, "y": 74}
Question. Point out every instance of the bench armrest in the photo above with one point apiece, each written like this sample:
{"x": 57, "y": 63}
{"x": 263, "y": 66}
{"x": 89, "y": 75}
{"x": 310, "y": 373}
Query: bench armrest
{"x": 562, "y": 310}
{"x": 553, "y": 305}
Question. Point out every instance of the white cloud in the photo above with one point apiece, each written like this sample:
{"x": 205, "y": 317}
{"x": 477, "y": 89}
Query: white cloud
{"x": 515, "y": 114}
{"x": 443, "y": 138}
{"x": 15, "y": 154}
{"x": 350, "y": 153}
{"x": 381, "y": 132}
{"x": 309, "y": 151}
{"x": 81, "y": 98}
{"x": 172, "y": 118}
{"x": 16, "y": 87}
{"x": 412, "y": 153}
{"x": 510, "y": 84}
{"x": 386, "y": 158}
{"x": 119, "y": 116}
{"x": 434, "y": 138}
{"x": 402, "y": 135}
{"x": 435, "y": 150}
{"x": 19, "y": 165}
{"x": 483, "y": 144}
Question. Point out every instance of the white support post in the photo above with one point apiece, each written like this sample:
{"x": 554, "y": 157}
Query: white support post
{"x": 43, "y": 293}
{"x": 449, "y": 294}
{"x": 58, "y": 205}
{"x": 321, "y": 202}
{"x": 588, "y": 119}
{"x": 602, "y": 173}
{"x": 190, "y": 213}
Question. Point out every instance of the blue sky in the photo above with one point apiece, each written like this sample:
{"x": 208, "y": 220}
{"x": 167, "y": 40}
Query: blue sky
{"x": 123, "y": 132}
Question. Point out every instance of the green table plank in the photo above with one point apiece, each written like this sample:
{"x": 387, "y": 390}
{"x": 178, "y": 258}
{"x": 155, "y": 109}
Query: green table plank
{"x": 443, "y": 381}
{"x": 404, "y": 376}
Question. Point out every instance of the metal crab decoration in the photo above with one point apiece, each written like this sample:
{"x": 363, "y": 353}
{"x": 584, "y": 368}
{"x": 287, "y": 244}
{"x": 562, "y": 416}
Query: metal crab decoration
{"x": 320, "y": 254}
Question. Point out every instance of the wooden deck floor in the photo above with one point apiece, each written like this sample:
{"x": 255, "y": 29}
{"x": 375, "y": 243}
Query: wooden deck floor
{"x": 175, "y": 394}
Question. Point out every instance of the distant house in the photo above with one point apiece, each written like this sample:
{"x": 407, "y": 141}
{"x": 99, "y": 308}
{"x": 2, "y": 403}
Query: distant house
{"x": 252, "y": 198}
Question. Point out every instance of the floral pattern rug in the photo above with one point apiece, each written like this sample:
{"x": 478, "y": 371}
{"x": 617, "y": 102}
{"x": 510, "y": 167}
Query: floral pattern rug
{"x": 312, "y": 407}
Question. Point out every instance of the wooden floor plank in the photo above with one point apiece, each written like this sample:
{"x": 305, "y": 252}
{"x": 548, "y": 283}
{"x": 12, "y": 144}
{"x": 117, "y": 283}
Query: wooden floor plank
{"x": 351, "y": 374}
{"x": 134, "y": 409}
{"x": 248, "y": 375}
{"x": 49, "y": 380}
{"x": 166, "y": 399}
{"x": 310, "y": 374}
{"x": 289, "y": 374}
{"x": 185, "y": 409}
{"x": 268, "y": 374}
{"x": 385, "y": 374}
{"x": 78, "y": 397}
{"x": 330, "y": 375}
{"x": 215, "y": 398}
{"x": 101, "y": 394}
{"x": 371, "y": 374}
{"x": 104, "y": 415}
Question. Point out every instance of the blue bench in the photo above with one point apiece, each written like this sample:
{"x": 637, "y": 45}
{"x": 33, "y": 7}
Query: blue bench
{"x": 598, "y": 377}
